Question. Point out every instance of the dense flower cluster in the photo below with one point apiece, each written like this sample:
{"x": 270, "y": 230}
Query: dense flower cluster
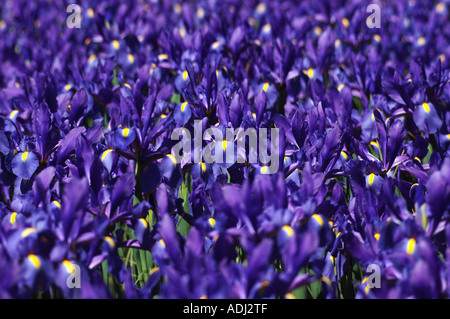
{"x": 89, "y": 184}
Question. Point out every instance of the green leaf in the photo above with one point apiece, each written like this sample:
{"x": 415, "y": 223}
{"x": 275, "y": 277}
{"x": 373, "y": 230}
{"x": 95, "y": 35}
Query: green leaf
{"x": 426, "y": 159}
{"x": 357, "y": 103}
{"x": 115, "y": 81}
{"x": 140, "y": 276}
{"x": 176, "y": 98}
{"x": 104, "y": 266}
{"x": 300, "y": 292}
{"x": 183, "y": 226}
{"x": 314, "y": 287}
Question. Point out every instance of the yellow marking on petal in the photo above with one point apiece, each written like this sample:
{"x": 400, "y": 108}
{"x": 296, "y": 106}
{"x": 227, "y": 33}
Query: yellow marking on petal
{"x": 2, "y": 24}
{"x": 421, "y": 41}
{"x": 375, "y": 144}
{"x": 87, "y": 41}
{"x": 261, "y": 8}
{"x": 224, "y": 144}
{"x": 28, "y": 231}
{"x": 409, "y": 81}
{"x": 182, "y": 32}
{"x": 125, "y": 132}
{"x": 326, "y": 280}
{"x": 309, "y": 72}
{"x": 162, "y": 56}
{"x": 264, "y": 169}
{"x": 143, "y": 222}
{"x": 141, "y": 37}
{"x": 24, "y": 156}
{"x": 204, "y": 297}
{"x": 448, "y": 136}
{"x": 105, "y": 153}
{"x": 414, "y": 185}
{"x": 163, "y": 244}
{"x": 200, "y": 13}
{"x": 264, "y": 285}
{"x": 367, "y": 289}
{"x": 13, "y": 114}
{"x": 90, "y": 12}
{"x": 318, "y": 219}
{"x": 203, "y": 166}
{"x": 110, "y": 241}
{"x": 422, "y": 208}
{"x": 418, "y": 159}
{"x": 163, "y": 116}
{"x": 332, "y": 258}
{"x": 377, "y": 236}
{"x": 257, "y": 42}
{"x": 340, "y": 87}
{"x": 185, "y": 75}
{"x": 373, "y": 117}
{"x": 289, "y": 296}
{"x": 288, "y": 230}
{"x": 426, "y": 107}
{"x": 67, "y": 87}
{"x": 411, "y": 246}
{"x": 371, "y": 178}
{"x": 387, "y": 120}
{"x": 57, "y": 204}
{"x": 69, "y": 266}
{"x": 345, "y": 22}
{"x": 266, "y": 86}
{"x": 152, "y": 68}
{"x": 318, "y": 30}
{"x": 12, "y": 218}
{"x": 130, "y": 58}
{"x": 337, "y": 43}
{"x": 127, "y": 85}
{"x": 183, "y": 106}
{"x": 377, "y": 38}
{"x": 177, "y": 8}
{"x": 153, "y": 270}
{"x": 267, "y": 28}
{"x": 442, "y": 58}
{"x": 35, "y": 261}
{"x": 116, "y": 44}
{"x": 174, "y": 160}
{"x": 440, "y": 7}
{"x": 215, "y": 45}
{"x": 212, "y": 222}
{"x": 92, "y": 58}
